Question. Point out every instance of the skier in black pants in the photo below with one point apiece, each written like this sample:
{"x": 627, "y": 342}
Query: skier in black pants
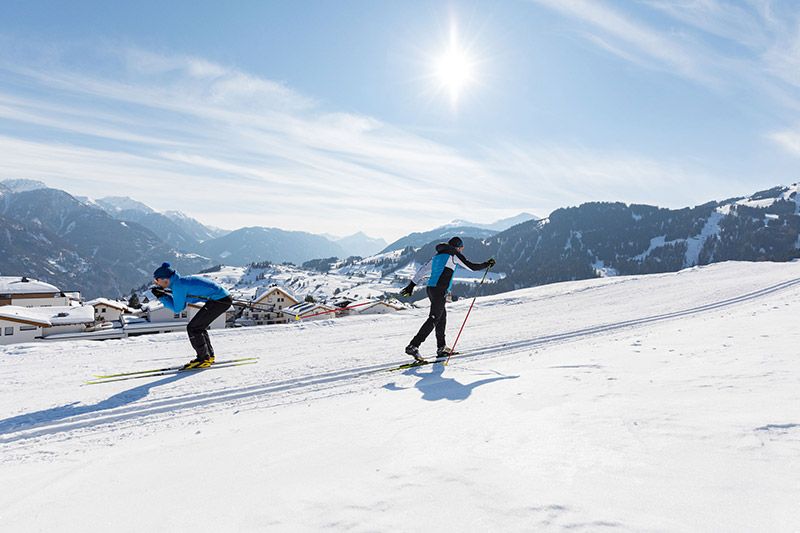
{"x": 175, "y": 291}
{"x": 440, "y": 271}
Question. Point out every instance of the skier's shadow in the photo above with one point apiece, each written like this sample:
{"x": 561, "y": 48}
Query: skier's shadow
{"x": 54, "y": 414}
{"x": 434, "y": 386}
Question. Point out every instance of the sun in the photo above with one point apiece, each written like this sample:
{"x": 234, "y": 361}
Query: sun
{"x": 454, "y": 69}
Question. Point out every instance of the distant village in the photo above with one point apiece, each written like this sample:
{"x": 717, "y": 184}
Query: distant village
{"x": 32, "y": 310}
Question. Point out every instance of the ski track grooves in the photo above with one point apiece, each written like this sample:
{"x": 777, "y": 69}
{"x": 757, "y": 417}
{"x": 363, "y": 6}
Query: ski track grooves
{"x": 328, "y": 380}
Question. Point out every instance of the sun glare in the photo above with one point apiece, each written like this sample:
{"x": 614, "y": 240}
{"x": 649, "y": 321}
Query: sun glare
{"x": 454, "y": 69}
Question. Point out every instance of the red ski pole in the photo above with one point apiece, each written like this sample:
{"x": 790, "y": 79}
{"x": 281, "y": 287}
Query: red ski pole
{"x": 453, "y": 349}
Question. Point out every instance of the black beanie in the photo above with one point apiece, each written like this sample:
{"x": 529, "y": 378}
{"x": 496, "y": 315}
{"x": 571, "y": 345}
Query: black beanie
{"x": 456, "y": 242}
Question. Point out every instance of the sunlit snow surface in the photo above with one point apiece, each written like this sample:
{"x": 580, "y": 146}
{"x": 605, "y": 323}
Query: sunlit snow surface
{"x": 667, "y": 402}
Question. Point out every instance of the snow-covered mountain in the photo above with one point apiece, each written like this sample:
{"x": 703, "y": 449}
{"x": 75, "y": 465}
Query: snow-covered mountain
{"x": 665, "y": 402}
{"x": 500, "y": 225}
{"x": 22, "y": 185}
{"x": 461, "y": 228}
{"x": 607, "y": 239}
{"x": 360, "y": 244}
{"x": 416, "y": 240}
{"x": 600, "y": 239}
{"x": 255, "y": 244}
{"x": 50, "y": 235}
{"x": 194, "y": 228}
{"x": 594, "y": 239}
{"x": 173, "y": 227}
{"x": 118, "y": 204}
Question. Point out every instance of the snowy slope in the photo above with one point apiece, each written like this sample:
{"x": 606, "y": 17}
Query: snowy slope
{"x": 649, "y": 403}
{"x": 364, "y": 278}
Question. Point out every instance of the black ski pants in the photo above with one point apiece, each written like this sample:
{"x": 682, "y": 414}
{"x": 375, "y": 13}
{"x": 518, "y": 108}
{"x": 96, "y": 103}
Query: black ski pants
{"x": 197, "y": 327}
{"x": 436, "y": 319}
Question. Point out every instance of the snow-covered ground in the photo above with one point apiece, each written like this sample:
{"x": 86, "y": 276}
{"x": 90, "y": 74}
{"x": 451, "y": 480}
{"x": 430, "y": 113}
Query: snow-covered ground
{"x": 667, "y": 402}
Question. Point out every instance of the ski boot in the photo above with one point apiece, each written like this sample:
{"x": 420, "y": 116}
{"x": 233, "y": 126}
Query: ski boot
{"x": 199, "y": 362}
{"x": 443, "y": 352}
{"x": 413, "y": 351}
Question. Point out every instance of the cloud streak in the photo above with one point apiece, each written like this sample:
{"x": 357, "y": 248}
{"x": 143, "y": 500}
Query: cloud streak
{"x": 233, "y": 149}
{"x": 727, "y": 47}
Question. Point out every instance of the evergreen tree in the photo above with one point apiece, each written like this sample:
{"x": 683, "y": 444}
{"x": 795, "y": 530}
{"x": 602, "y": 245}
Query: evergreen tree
{"x": 133, "y": 301}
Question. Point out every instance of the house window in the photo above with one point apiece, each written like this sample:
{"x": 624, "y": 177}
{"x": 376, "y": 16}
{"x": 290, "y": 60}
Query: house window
{"x": 176, "y": 316}
{"x": 185, "y": 314}
{"x": 27, "y": 328}
{"x": 10, "y": 331}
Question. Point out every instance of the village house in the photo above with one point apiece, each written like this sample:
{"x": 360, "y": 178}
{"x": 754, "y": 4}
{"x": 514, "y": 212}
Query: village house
{"x": 26, "y": 292}
{"x": 368, "y": 306}
{"x": 106, "y": 310}
{"x": 156, "y": 318}
{"x": 66, "y": 319}
{"x": 305, "y": 310}
{"x": 26, "y": 324}
{"x": 376, "y": 307}
{"x": 267, "y": 307}
{"x": 19, "y": 324}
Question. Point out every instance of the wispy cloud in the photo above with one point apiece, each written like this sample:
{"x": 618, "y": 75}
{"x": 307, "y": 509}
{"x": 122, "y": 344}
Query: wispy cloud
{"x": 633, "y": 40}
{"x": 729, "y": 47}
{"x": 234, "y": 149}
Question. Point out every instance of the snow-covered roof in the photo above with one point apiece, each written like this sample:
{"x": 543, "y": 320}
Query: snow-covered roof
{"x": 263, "y": 292}
{"x": 363, "y": 305}
{"x": 66, "y": 315}
{"x": 152, "y": 305}
{"x": 175, "y": 325}
{"x": 304, "y": 308}
{"x": 48, "y": 316}
{"x": 122, "y": 306}
{"x": 20, "y": 285}
{"x": 24, "y": 315}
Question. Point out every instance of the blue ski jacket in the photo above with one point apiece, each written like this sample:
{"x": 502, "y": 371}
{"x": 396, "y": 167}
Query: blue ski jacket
{"x": 186, "y": 289}
{"x": 441, "y": 268}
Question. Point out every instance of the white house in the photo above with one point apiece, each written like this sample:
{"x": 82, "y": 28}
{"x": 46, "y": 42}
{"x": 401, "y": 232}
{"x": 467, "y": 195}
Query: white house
{"x": 26, "y": 292}
{"x": 268, "y": 306}
{"x": 19, "y": 324}
{"x": 106, "y": 310}
{"x": 155, "y": 311}
{"x": 66, "y": 319}
{"x": 218, "y": 323}
{"x": 304, "y": 310}
{"x": 159, "y": 319}
{"x": 25, "y": 324}
{"x": 376, "y": 307}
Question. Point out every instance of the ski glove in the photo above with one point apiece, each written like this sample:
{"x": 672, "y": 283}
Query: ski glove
{"x": 158, "y": 292}
{"x": 491, "y": 262}
{"x": 408, "y": 290}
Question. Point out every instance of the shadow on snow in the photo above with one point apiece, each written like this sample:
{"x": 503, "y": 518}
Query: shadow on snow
{"x": 434, "y": 386}
{"x": 54, "y": 414}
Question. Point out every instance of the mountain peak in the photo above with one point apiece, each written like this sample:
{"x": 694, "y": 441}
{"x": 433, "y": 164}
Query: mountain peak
{"x": 123, "y": 203}
{"x": 499, "y": 225}
{"x": 23, "y": 185}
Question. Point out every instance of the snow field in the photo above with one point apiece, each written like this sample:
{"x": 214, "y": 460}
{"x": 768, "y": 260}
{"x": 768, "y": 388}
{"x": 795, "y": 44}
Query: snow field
{"x": 651, "y": 403}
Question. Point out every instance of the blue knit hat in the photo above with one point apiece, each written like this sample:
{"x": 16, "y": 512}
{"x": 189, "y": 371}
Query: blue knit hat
{"x": 163, "y": 272}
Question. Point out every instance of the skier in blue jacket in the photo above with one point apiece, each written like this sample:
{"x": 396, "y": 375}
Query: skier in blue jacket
{"x": 439, "y": 271}
{"x": 175, "y": 291}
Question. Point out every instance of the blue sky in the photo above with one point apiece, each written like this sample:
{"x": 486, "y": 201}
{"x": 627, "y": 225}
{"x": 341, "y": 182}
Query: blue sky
{"x": 328, "y": 117}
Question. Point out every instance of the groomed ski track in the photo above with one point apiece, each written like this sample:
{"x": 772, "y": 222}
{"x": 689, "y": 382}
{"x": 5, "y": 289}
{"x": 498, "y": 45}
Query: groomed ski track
{"x": 20, "y": 431}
